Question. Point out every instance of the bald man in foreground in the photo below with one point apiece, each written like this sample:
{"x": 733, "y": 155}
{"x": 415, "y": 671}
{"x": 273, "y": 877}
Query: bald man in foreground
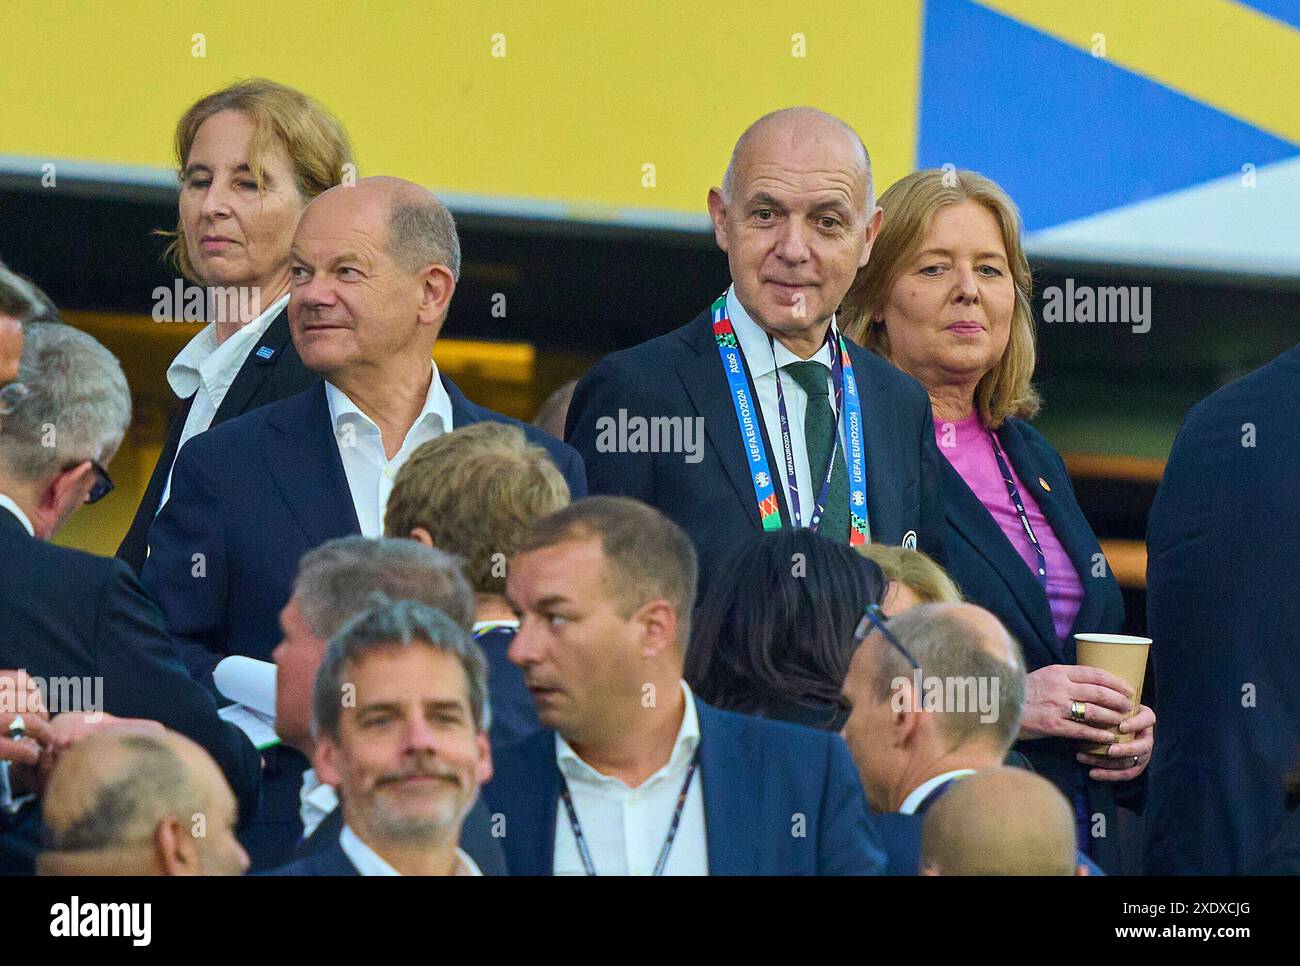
{"x": 1003, "y": 821}
{"x": 757, "y": 415}
{"x": 373, "y": 267}
{"x": 137, "y": 803}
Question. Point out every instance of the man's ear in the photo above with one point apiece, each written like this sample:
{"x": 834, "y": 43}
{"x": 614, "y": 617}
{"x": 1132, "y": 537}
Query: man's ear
{"x": 658, "y": 622}
{"x": 61, "y": 497}
{"x": 436, "y": 288}
{"x": 325, "y": 760}
{"x": 175, "y": 850}
{"x": 906, "y": 708}
{"x": 873, "y": 232}
{"x": 422, "y": 535}
{"x": 483, "y": 771}
{"x": 718, "y": 212}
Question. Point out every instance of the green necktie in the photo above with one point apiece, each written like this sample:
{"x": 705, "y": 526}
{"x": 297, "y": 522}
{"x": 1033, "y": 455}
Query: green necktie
{"x": 820, "y": 432}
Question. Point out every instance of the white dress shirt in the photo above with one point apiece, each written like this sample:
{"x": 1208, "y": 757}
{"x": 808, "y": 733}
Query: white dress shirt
{"x": 205, "y": 371}
{"x": 624, "y": 827}
{"x": 369, "y": 862}
{"x": 369, "y": 471}
{"x": 925, "y": 788}
{"x": 763, "y": 358}
{"x": 315, "y": 801}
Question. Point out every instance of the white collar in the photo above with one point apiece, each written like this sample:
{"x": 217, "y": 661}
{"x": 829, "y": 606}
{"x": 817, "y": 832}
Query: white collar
{"x": 369, "y": 862}
{"x": 925, "y": 788}
{"x": 316, "y": 793}
{"x": 204, "y": 362}
{"x": 437, "y": 403}
{"x": 688, "y": 739}
{"x": 17, "y": 511}
{"x": 759, "y": 352}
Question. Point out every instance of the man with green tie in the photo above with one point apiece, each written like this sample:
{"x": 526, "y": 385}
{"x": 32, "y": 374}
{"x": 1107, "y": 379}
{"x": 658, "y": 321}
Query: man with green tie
{"x": 804, "y": 427}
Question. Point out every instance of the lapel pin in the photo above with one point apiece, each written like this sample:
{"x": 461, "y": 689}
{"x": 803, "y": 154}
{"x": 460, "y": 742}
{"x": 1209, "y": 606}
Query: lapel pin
{"x": 266, "y": 351}
{"x": 1043, "y": 483}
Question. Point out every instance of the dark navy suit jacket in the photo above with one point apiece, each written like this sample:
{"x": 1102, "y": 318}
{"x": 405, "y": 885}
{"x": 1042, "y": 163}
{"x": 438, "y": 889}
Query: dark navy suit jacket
{"x": 514, "y": 716}
{"x": 991, "y": 573}
{"x": 330, "y": 860}
{"x": 271, "y": 371}
{"x": 69, "y": 614}
{"x": 249, "y": 498}
{"x": 476, "y": 839}
{"x": 681, "y": 374}
{"x": 756, "y": 775}
{"x": 901, "y": 836}
{"x": 1223, "y": 609}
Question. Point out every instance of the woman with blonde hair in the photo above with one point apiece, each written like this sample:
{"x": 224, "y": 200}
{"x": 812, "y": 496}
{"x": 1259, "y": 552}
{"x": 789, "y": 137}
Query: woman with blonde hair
{"x": 912, "y": 578}
{"x": 249, "y": 158}
{"x": 946, "y": 298}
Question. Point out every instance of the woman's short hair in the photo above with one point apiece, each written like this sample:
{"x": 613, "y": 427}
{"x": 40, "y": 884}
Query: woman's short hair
{"x": 910, "y": 206}
{"x": 916, "y": 571}
{"x": 314, "y": 140}
{"x": 776, "y": 625}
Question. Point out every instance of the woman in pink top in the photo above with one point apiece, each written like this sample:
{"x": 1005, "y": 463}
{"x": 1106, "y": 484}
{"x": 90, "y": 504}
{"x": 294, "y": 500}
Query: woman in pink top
{"x": 946, "y": 298}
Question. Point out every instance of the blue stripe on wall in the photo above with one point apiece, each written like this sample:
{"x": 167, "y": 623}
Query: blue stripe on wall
{"x": 1066, "y": 134}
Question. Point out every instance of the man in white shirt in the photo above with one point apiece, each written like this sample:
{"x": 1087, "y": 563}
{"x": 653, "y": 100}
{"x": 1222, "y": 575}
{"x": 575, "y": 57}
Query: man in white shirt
{"x": 335, "y": 583}
{"x": 913, "y": 733}
{"x": 910, "y": 743}
{"x": 804, "y": 427}
{"x": 374, "y": 267}
{"x": 400, "y": 714}
{"x": 636, "y": 776}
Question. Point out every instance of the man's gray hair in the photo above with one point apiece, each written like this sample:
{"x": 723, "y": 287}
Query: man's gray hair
{"x": 386, "y": 625}
{"x": 336, "y": 580}
{"x": 22, "y": 299}
{"x": 864, "y": 157}
{"x": 423, "y": 233}
{"x": 70, "y": 403}
{"x": 948, "y": 647}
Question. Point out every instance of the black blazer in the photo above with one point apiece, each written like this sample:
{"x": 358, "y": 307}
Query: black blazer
{"x": 476, "y": 839}
{"x": 271, "y": 371}
{"x": 1223, "y": 610}
{"x": 681, "y": 375}
{"x": 69, "y": 614}
{"x": 991, "y": 573}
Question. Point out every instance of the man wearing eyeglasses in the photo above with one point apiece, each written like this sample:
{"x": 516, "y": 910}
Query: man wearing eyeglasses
{"x": 69, "y": 618}
{"x": 910, "y": 744}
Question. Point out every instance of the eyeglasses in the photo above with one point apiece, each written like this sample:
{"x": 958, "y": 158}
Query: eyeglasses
{"x": 103, "y": 484}
{"x": 873, "y": 616}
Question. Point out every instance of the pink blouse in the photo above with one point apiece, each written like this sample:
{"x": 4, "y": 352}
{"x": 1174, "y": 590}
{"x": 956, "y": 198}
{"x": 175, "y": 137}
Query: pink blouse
{"x": 967, "y": 446}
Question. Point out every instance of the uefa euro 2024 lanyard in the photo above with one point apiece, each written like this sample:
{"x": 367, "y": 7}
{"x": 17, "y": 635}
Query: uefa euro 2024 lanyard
{"x": 1014, "y": 493}
{"x": 847, "y": 403}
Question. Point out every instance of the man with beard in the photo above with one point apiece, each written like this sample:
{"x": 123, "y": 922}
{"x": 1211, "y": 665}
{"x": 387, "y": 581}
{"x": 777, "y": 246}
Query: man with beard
{"x": 401, "y": 717}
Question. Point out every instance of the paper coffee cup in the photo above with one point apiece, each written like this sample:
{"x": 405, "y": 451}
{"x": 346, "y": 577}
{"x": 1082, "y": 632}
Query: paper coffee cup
{"x": 1121, "y": 655}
